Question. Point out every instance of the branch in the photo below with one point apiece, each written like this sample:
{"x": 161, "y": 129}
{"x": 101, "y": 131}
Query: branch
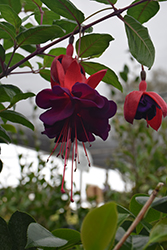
{"x": 139, "y": 216}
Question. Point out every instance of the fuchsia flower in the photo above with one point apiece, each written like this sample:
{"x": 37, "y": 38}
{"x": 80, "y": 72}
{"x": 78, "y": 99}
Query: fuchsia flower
{"x": 75, "y": 110}
{"x": 142, "y": 104}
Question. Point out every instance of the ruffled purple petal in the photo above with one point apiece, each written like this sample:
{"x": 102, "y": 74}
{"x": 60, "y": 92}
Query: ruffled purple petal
{"x": 57, "y": 113}
{"x": 87, "y": 96}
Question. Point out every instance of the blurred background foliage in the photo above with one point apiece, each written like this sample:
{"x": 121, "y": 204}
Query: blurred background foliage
{"x": 140, "y": 157}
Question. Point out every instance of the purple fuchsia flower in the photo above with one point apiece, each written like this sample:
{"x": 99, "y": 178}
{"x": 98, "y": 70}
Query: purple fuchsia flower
{"x": 142, "y": 104}
{"x": 75, "y": 111}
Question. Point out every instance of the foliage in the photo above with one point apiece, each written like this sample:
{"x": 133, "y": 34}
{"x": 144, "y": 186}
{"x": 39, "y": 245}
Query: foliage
{"x": 142, "y": 155}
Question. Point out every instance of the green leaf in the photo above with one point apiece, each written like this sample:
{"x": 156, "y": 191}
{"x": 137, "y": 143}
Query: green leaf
{"x": 39, "y": 236}
{"x": 99, "y": 227}
{"x": 5, "y": 239}
{"x": 16, "y": 117}
{"x": 4, "y": 135}
{"x": 7, "y": 31}
{"x": 14, "y": 4}
{"x": 71, "y": 236}
{"x": 48, "y": 16}
{"x": 2, "y": 53}
{"x": 39, "y": 34}
{"x": 144, "y": 11}
{"x": 65, "y": 8}
{"x": 8, "y": 43}
{"x": 158, "y": 232}
{"x": 21, "y": 96}
{"x": 93, "y": 45}
{"x": 159, "y": 204}
{"x": 140, "y": 44}
{"x": 7, "y": 92}
{"x": 18, "y": 225}
{"x": 10, "y": 16}
{"x": 30, "y": 5}
{"x": 9, "y": 128}
{"x": 105, "y": 1}
{"x": 54, "y": 52}
{"x": 45, "y": 73}
{"x": 109, "y": 78}
{"x": 67, "y": 25}
{"x": 151, "y": 215}
{"x": 128, "y": 243}
{"x": 17, "y": 58}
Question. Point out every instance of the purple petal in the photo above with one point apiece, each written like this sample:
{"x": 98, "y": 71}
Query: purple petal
{"x": 146, "y": 108}
{"x": 57, "y": 113}
{"x": 87, "y": 96}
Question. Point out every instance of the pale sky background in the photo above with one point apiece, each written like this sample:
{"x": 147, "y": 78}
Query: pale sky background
{"x": 114, "y": 57}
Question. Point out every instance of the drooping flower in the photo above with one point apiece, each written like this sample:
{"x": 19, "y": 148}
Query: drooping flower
{"x": 143, "y": 104}
{"x": 75, "y": 110}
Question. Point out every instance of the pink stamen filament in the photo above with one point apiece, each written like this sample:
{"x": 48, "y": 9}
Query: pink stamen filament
{"x": 65, "y": 161}
{"x": 58, "y": 142}
{"x": 85, "y": 132}
{"x": 86, "y": 154}
{"x": 72, "y": 174}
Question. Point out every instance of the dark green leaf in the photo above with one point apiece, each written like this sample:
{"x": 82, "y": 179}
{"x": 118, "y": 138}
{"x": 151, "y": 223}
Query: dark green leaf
{"x": 55, "y": 52}
{"x": 144, "y": 11}
{"x": 14, "y": 4}
{"x": 45, "y": 73}
{"x": 158, "y": 232}
{"x": 121, "y": 218}
{"x": 65, "y": 8}
{"x": 109, "y": 78}
{"x": 128, "y": 243}
{"x": 67, "y": 25}
{"x": 7, "y": 92}
{"x": 7, "y": 31}
{"x": 48, "y": 16}
{"x": 4, "y": 135}
{"x": 99, "y": 227}
{"x": 8, "y": 43}
{"x": 140, "y": 44}
{"x": 159, "y": 204}
{"x": 39, "y": 34}
{"x": 93, "y": 45}
{"x": 2, "y": 53}
{"x": 16, "y": 117}
{"x": 1, "y": 167}
{"x": 17, "y": 58}
{"x": 29, "y": 5}
{"x": 5, "y": 239}
{"x": 21, "y": 96}
{"x": 10, "y": 15}
{"x": 39, "y": 236}
{"x": 18, "y": 225}
{"x": 71, "y": 236}
{"x": 105, "y": 1}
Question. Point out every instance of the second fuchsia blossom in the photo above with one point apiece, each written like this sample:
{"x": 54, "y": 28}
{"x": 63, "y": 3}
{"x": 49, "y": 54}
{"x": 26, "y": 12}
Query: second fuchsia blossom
{"x": 143, "y": 104}
{"x": 75, "y": 111}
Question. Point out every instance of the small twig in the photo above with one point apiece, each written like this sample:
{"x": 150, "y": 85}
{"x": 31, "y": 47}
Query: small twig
{"x": 139, "y": 216}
